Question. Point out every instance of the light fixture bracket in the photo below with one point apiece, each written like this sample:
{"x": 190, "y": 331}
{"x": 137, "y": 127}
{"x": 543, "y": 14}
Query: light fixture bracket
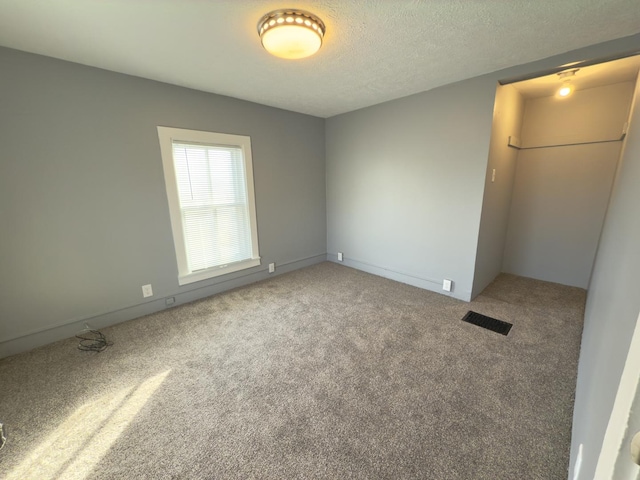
{"x": 568, "y": 74}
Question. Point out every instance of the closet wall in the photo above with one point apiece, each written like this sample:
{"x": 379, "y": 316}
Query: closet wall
{"x": 561, "y": 190}
{"x": 498, "y": 186}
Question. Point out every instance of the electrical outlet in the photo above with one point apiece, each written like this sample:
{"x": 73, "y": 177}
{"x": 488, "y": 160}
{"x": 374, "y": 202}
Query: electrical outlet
{"x": 446, "y": 285}
{"x": 147, "y": 291}
{"x": 169, "y": 301}
{"x": 272, "y": 267}
{"x": 340, "y": 256}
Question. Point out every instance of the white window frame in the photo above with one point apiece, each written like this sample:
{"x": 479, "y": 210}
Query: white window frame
{"x": 167, "y": 135}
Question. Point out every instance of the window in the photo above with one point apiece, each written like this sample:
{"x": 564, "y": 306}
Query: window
{"x": 209, "y": 179}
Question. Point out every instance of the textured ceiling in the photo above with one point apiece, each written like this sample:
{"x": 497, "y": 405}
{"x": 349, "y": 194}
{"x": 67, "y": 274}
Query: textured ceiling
{"x": 374, "y": 50}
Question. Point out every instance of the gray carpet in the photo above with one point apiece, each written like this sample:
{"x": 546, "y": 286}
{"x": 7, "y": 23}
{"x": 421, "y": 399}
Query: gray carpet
{"x": 326, "y": 372}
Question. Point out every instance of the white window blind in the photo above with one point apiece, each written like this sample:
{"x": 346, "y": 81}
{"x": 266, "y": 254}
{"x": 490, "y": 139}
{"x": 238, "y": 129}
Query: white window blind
{"x": 211, "y": 203}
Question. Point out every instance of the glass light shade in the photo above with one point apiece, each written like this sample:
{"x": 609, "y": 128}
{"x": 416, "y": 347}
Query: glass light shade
{"x": 291, "y": 34}
{"x": 291, "y": 41}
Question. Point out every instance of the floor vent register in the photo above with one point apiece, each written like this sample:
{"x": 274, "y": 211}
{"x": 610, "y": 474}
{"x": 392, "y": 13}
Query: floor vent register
{"x": 489, "y": 323}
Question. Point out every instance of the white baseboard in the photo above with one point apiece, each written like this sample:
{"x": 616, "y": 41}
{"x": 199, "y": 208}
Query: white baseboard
{"x": 415, "y": 281}
{"x": 45, "y": 336}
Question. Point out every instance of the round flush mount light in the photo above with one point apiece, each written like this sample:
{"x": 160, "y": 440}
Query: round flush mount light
{"x": 291, "y": 33}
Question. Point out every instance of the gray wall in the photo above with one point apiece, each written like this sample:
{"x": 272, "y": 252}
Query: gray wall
{"x": 83, "y": 207}
{"x": 561, "y": 194}
{"x": 405, "y": 182}
{"x": 612, "y": 307}
{"x": 507, "y": 121}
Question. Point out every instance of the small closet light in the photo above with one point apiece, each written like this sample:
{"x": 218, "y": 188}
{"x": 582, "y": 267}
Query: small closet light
{"x": 567, "y": 88}
{"x": 565, "y": 91}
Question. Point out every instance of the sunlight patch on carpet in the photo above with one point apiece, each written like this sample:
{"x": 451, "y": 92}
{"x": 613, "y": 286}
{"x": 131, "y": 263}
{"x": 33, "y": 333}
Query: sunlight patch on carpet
{"x": 79, "y": 443}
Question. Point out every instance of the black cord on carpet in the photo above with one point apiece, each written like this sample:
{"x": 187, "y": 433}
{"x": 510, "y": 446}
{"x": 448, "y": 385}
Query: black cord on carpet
{"x": 92, "y": 341}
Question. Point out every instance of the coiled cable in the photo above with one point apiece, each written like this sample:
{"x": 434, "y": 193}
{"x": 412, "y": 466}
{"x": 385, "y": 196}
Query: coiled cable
{"x": 92, "y": 341}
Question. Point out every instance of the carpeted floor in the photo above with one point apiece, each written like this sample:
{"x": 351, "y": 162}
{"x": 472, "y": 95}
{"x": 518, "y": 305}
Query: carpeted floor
{"x": 326, "y": 372}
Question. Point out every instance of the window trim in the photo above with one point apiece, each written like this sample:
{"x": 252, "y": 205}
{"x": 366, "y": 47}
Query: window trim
{"x": 167, "y": 135}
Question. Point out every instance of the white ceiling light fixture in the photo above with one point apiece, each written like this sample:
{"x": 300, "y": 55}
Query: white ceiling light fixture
{"x": 291, "y": 33}
{"x": 567, "y": 87}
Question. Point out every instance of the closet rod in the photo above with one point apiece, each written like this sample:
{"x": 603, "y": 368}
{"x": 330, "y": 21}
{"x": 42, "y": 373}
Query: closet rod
{"x": 567, "y": 144}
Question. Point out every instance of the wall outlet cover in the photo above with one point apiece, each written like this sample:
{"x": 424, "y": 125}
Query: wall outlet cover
{"x": 147, "y": 291}
{"x": 340, "y": 258}
{"x": 446, "y": 285}
{"x": 272, "y": 267}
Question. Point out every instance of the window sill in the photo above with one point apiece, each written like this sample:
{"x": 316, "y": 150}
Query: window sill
{"x": 217, "y": 271}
